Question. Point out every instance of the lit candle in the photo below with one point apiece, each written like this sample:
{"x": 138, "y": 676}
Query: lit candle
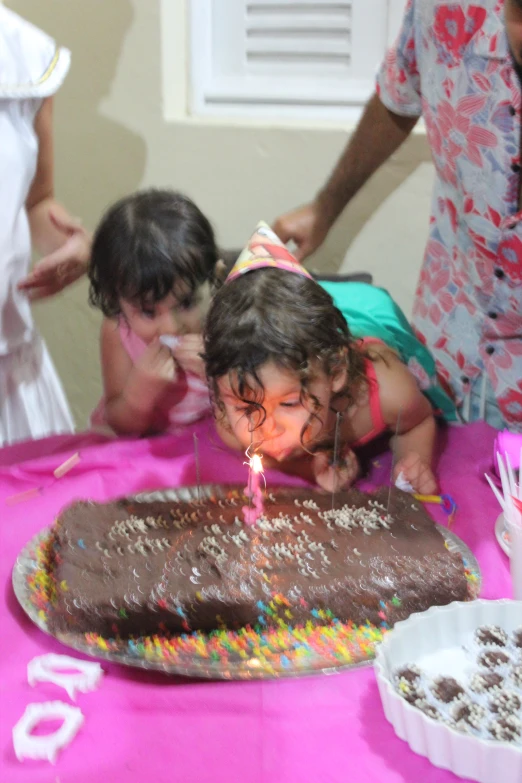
{"x": 254, "y": 510}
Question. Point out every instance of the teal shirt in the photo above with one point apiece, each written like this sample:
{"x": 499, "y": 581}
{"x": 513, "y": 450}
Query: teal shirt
{"x": 371, "y": 312}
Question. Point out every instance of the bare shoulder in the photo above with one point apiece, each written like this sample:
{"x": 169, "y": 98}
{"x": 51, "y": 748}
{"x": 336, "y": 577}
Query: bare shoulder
{"x": 109, "y": 332}
{"x": 399, "y": 392}
{"x": 380, "y": 350}
{"x": 116, "y": 362}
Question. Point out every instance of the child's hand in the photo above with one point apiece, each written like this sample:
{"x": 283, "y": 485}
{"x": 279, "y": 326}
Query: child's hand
{"x": 333, "y": 479}
{"x": 153, "y": 371}
{"x": 418, "y": 473}
{"x": 188, "y": 354}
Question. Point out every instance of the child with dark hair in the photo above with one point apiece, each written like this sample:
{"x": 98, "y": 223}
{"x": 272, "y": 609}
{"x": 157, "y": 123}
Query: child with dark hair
{"x": 153, "y": 266}
{"x": 288, "y": 374}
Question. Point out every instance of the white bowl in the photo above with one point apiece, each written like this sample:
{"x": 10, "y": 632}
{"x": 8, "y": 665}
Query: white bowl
{"x": 434, "y": 639}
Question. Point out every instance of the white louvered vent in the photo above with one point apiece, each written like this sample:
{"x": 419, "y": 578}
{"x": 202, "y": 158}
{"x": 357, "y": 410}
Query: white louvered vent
{"x": 289, "y": 58}
{"x": 290, "y": 36}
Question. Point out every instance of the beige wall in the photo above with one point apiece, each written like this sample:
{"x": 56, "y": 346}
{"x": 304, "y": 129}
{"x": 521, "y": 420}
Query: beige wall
{"x": 111, "y": 138}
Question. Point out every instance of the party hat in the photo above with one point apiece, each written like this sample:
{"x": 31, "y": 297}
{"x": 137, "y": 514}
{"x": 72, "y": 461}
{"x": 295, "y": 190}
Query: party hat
{"x": 265, "y": 249}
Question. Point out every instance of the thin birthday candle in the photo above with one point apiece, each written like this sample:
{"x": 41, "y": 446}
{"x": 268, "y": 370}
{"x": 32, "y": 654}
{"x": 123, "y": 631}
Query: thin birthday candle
{"x": 496, "y": 493}
{"x": 511, "y": 476}
{"x": 257, "y": 492}
{"x": 394, "y": 456}
{"x": 68, "y": 465}
{"x": 250, "y": 477}
{"x": 255, "y": 508}
{"x": 196, "y": 460}
{"x": 506, "y": 487}
{"x": 335, "y": 457}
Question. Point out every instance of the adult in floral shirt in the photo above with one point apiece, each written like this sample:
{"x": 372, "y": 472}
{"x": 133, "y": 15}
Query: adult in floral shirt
{"x": 459, "y": 65}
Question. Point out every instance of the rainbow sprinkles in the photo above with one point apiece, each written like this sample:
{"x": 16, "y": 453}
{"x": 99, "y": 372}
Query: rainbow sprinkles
{"x": 272, "y": 651}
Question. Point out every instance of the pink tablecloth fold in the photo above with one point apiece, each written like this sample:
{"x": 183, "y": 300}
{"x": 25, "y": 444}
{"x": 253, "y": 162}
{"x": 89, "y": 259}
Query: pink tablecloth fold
{"x": 142, "y": 726}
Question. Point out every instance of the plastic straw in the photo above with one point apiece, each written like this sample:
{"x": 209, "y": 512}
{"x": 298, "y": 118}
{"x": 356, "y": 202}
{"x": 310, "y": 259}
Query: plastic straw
{"x": 511, "y": 476}
{"x": 496, "y": 492}
{"x": 506, "y": 490}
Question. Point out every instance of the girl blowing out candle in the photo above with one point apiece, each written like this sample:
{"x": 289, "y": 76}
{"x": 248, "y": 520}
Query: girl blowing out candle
{"x": 283, "y": 363}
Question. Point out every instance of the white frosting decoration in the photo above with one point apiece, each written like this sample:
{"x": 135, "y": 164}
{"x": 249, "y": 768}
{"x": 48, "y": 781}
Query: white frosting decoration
{"x": 349, "y": 517}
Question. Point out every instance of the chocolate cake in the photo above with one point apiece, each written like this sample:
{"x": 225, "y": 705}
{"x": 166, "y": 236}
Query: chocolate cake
{"x": 129, "y": 568}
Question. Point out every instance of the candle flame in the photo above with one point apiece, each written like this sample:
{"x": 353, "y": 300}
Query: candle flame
{"x": 256, "y": 464}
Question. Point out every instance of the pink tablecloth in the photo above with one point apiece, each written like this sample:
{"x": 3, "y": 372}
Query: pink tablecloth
{"x": 141, "y": 726}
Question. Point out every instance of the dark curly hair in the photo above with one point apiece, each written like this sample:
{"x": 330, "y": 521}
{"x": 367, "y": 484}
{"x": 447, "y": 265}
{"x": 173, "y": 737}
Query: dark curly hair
{"x": 270, "y": 315}
{"x": 145, "y": 245}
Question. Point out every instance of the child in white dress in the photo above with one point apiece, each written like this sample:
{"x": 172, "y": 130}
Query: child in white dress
{"x": 32, "y": 68}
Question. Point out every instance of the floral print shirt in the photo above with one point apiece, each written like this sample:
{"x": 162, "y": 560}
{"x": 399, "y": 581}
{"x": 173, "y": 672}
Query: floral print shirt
{"x": 452, "y": 64}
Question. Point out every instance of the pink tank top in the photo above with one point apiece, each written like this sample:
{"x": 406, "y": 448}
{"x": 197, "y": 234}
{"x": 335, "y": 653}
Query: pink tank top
{"x": 193, "y": 401}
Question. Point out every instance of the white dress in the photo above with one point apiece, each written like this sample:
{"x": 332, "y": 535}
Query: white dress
{"x": 32, "y": 401}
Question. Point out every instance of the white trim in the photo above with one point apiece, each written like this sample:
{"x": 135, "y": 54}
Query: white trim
{"x": 45, "y": 88}
{"x": 175, "y": 57}
{"x": 199, "y": 64}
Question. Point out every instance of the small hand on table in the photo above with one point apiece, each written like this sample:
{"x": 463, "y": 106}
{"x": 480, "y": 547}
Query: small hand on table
{"x": 333, "y": 478}
{"x": 418, "y": 473}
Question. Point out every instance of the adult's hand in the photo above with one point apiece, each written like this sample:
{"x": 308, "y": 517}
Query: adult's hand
{"x": 379, "y": 133}
{"x": 63, "y": 266}
{"x": 306, "y": 226}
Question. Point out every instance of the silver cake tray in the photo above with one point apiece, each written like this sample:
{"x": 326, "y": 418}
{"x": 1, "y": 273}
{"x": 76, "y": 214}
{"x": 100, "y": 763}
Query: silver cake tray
{"x": 197, "y": 656}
